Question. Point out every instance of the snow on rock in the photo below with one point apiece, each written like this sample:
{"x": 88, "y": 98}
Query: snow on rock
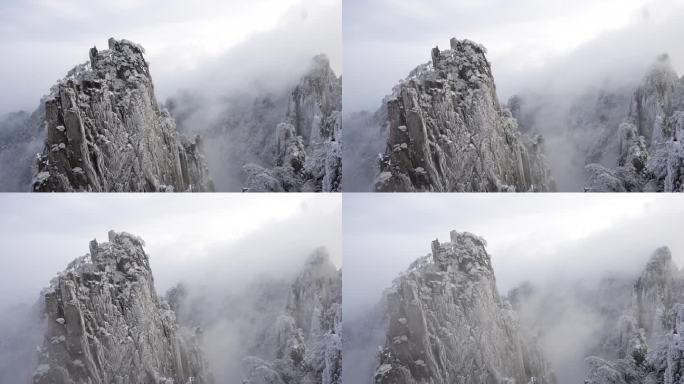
{"x": 451, "y": 134}
{"x": 647, "y": 345}
{"x": 448, "y": 324}
{"x": 306, "y": 338}
{"x": 650, "y": 151}
{"x": 308, "y": 154}
{"x": 105, "y": 119}
{"x": 106, "y": 323}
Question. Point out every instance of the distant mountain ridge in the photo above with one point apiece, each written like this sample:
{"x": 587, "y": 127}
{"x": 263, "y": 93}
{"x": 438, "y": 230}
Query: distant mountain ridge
{"x": 308, "y": 151}
{"x": 650, "y": 152}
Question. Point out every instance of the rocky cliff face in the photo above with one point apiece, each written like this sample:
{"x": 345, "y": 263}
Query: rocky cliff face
{"x": 448, "y": 324}
{"x": 447, "y": 131}
{"x": 650, "y": 153}
{"x": 238, "y": 129}
{"x": 106, "y": 132}
{"x": 305, "y": 341}
{"x": 106, "y": 323}
{"x": 645, "y": 345}
{"x": 308, "y": 154}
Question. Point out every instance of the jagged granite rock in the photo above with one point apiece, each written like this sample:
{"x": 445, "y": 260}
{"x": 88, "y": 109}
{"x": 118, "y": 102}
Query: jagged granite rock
{"x": 448, "y": 324}
{"x": 647, "y": 339}
{"x": 650, "y": 152}
{"x": 106, "y": 132}
{"x": 106, "y": 323}
{"x": 306, "y": 337}
{"x": 308, "y": 154}
{"x": 447, "y": 131}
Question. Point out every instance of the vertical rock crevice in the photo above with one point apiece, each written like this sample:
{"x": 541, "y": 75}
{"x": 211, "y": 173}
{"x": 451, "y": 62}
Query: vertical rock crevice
{"x": 306, "y": 337}
{"x": 107, "y": 133}
{"x": 650, "y": 151}
{"x": 448, "y": 323}
{"x": 646, "y": 343}
{"x": 447, "y": 131}
{"x": 106, "y": 323}
{"x": 308, "y": 152}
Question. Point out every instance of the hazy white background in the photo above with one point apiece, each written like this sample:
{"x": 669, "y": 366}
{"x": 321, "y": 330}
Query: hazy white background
{"x": 545, "y": 44}
{"x": 535, "y": 238}
{"x": 232, "y": 42}
{"x": 214, "y": 239}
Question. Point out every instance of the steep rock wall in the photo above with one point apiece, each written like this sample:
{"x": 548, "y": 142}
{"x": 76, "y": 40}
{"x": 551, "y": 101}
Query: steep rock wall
{"x": 106, "y": 132}
{"x": 308, "y": 152}
{"x": 447, "y": 131}
{"x": 646, "y": 342}
{"x": 106, "y": 323}
{"x": 650, "y": 151}
{"x": 448, "y": 324}
{"x": 306, "y": 337}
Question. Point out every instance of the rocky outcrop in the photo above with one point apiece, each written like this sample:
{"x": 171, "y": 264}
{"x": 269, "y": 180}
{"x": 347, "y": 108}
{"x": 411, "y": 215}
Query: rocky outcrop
{"x": 106, "y": 132}
{"x": 106, "y": 323}
{"x": 448, "y": 324}
{"x": 646, "y": 342}
{"x": 308, "y": 154}
{"x": 650, "y": 153}
{"x": 306, "y": 337}
{"x": 447, "y": 131}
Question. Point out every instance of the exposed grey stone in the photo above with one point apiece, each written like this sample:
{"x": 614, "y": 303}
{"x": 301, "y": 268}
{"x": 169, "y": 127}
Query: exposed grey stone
{"x": 106, "y": 132}
{"x": 650, "y": 151}
{"x": 646, "y": 343}
{"x": 308, "y": 154}
{"x": 447, "y": 131}
{"x": 306, "y": 337}
{"x": 106, "y": 323}
{"x": 448, "y": 324}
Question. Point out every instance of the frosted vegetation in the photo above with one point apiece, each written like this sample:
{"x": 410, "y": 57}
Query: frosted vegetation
{"x": 101, "y": 320}
{"x": 612, "y": 136}
{"x": 443, "y": 320}
{"x": 101, "y": 129}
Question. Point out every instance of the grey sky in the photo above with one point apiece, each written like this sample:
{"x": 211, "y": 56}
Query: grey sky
{"x": 223, "y": 239}
{"x": 538, "y": 44}
{"x": 42, "y": 39}
{"x": 530, "y": 237}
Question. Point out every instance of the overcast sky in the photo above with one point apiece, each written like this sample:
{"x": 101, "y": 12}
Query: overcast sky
{"x": 208, "y": 238}
{"x": 42, "y": 39}
{"x": 531, "y": 237}
{"x": 531, "y": 43}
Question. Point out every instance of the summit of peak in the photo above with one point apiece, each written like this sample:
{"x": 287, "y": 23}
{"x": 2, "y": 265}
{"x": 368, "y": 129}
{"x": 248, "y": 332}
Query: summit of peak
{"x": 462, "y": 53}
{"x": 465, "y": 250}
{"x": 661, "y": 260}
